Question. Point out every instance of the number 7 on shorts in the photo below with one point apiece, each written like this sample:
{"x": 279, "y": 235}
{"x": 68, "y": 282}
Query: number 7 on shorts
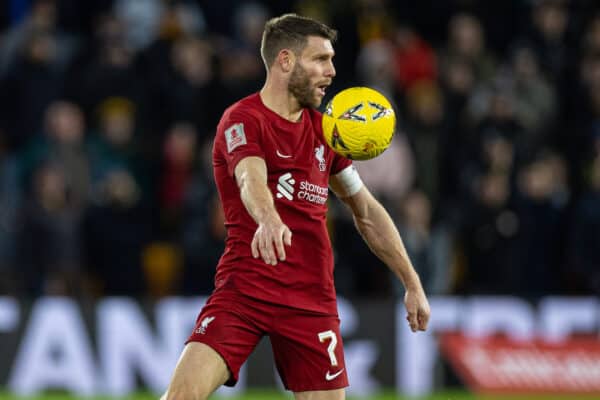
{"x": 330, "y": 335}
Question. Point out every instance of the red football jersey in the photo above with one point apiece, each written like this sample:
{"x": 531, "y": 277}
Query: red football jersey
{"x": 299, "y": 164}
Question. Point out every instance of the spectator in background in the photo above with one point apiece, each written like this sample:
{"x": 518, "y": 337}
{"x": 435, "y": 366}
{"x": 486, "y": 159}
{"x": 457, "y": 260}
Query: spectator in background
{"x": 518, "y": 102}
{"x": 374, "y": 22}
{"x": 33, "y": 81}
{"x": 179, "y": 167}
{"x": 489, "y": 237}
{"x": 428, "y": 244}
{"x": 457, "y": 80}
{"x": 489, "y": 223}
{"x": 535, "y": 101}
{"x": 540, "y": 200}
{"x": 116, "y": 229}
{"x": 11, "y": 198}
{"x": 425, "y": 126}
{"x": 496, "y": 154}
{"x": 190, "y": 90}
{"x": 111, "y": 71}
{"x": 492, "y": 111}
{"x": 248, "y": 23}
{"x": 41, "y": 20}
{"x": 466, "y": 43}
{"x": 49, "y": 239}
{"x": 319, "y": 10}
{"x": 591, "y": 37}
{"x": 580, "y": 138}
{"x": 202, "y": 238}
{"x": 375, "y": 67}
{"x": 415, "y": 59}
{"x": 177, "y": 20}
{"x": 177, "y": 67}
{"x": 112, "y": 146}
{"x": 61, "y": 144}
{"x": 141, "y": 21}
{"x": 583, "y": 255}
{"x": 550, "y": 20}
{"x": 201, "y": 232}
{"x": 240, "y": 71}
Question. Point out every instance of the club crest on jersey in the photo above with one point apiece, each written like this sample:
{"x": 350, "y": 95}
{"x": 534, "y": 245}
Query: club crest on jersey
{"x": 204, "y": 324}
{"x": 235, "y": 136}
{"x": 320, "y": 156}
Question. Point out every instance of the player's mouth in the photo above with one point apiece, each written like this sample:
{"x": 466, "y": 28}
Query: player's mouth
{"x": 322, "y": 88}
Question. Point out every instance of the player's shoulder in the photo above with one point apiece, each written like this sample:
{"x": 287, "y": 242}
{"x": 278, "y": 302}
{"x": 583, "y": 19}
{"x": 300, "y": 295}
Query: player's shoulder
{"x": 239, "y": 124}
{"x": 246, "y": 108}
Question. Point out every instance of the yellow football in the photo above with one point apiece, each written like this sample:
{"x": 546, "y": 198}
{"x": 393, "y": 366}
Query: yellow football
{"x": 359, "y": 123}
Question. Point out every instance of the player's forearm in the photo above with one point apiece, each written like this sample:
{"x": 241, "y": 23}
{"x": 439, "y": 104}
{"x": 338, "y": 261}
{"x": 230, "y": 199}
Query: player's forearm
{"x": 379, "y": 232}
{"x": 258, "y": 200}
{"x": 251, "y": 176}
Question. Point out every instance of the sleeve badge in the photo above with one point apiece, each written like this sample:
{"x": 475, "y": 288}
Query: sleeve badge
{"x": 235, "y": 136}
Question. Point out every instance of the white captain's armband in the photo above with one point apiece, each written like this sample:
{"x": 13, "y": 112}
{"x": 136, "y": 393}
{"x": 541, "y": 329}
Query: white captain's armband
{"x": 346, "y": 183}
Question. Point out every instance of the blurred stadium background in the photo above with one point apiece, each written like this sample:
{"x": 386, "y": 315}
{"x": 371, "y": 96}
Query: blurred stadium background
{"x": 110, "y": 228}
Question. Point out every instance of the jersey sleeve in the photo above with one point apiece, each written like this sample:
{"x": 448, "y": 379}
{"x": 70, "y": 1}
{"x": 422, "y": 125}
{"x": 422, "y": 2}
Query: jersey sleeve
{"x": 240, "y": 137}
{"x": 339, "y": 163}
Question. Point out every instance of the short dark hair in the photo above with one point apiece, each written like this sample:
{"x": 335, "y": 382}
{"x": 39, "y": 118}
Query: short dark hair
{"x": 290, "y": 31}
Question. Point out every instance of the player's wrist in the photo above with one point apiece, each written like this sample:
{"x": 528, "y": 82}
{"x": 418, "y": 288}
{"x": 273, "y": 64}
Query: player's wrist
{"x": 412, "y": 282}
{"x": 269, "y": 218}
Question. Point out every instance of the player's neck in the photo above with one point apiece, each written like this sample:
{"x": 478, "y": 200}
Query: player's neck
{"x": 278, "y": 99}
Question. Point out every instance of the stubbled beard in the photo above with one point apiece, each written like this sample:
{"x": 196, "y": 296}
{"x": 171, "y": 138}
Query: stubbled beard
{"x": 299, "y": 86}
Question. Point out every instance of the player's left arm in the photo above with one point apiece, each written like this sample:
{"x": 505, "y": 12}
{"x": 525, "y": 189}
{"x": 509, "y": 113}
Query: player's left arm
{"x": 379, "y": 232}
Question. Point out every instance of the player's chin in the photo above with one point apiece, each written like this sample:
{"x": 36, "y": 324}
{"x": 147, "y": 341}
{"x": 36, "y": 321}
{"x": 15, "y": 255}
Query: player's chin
{"x": 313, "y": 101}
{"x": 317, "y": 100}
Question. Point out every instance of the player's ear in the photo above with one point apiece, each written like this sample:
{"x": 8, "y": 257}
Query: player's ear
{"x": 286, "y": 59}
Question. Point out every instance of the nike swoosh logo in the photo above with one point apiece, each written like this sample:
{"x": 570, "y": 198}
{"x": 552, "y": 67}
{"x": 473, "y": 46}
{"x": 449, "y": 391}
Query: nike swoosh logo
{"x": 282, "y": 155}
{"x": 330, "y": 377}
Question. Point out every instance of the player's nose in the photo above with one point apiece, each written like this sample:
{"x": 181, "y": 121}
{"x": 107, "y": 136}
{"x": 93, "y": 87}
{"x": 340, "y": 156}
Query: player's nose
{"x": 330, "y": 71}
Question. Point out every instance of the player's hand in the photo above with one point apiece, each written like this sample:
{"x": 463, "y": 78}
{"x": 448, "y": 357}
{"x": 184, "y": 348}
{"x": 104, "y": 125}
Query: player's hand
{"x": 269, "y": 239}
{"x": 417, "y": 308}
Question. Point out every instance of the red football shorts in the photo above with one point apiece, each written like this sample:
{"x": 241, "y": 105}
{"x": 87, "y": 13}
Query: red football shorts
{"x": 307, "y": 346}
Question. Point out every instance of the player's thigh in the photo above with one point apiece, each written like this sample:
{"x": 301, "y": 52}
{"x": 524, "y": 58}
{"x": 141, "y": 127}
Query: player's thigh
{"x": 335, "y": 394}
{"x": 308, "y": 353}
{"x": 199, "y": 372}
{"x": 231, "y": 329}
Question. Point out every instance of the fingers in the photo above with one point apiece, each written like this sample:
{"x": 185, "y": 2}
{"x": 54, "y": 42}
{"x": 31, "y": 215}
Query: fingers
{"x": 418, "y": 311}
{"x": 284, "y": 238}
{"x": 261, "y": 247}
{"x": 279, "y": 247}
{"x": 254, "y": 247}
{"x": 412, "y": 321}
{"x": 287, "y": 236}
{"x": 418, "y": 321}
{"x": 267, "y": 252}
{"x": 269, "y": 245}
{"x": 423, "y": 320}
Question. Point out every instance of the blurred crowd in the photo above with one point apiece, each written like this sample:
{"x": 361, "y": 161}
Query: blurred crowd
{"x": 108, "y": 110}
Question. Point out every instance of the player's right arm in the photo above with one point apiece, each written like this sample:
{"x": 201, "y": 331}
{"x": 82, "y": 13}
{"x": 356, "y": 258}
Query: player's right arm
{"x": 271, "y": 234}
